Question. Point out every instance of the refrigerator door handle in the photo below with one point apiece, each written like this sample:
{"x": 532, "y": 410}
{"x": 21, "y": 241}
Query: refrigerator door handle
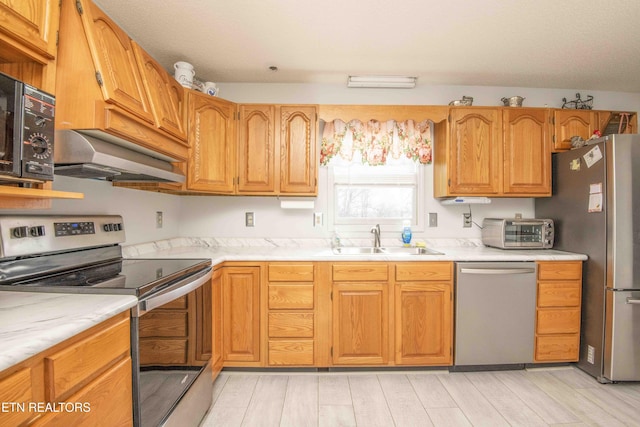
{"x": 633, "y": 301}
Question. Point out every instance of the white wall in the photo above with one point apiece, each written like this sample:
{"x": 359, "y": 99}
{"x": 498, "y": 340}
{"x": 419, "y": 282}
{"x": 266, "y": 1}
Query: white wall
{"x": 222, "y": 216}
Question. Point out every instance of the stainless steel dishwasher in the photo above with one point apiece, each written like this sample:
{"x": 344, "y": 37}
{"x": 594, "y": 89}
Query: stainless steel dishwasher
{"x": 495, "y": 313}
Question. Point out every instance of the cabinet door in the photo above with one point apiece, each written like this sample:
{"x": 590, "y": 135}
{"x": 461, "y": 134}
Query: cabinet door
{"x": 216, "y": 318}
{"x": 570, "y": 123}
{"x": 167, "y": 97}
{"x": 212, "y": 144}
{"x": 527, "y": 153}
{"x": 423, "y": 319}
{"x": 360, "y": 324}
{"x": 31, "y": 23}
{"x": 475, "y": 154}
{"x": 241, "y": 312}
{"x": 114, "y": 60}
{"x": 256, "y": 145}
{"x": 298, "y": 170}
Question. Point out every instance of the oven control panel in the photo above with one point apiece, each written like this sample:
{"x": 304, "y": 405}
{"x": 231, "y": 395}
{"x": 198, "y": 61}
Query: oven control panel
{"x": 38, "y": 234}
{"x": 74, "y": 228}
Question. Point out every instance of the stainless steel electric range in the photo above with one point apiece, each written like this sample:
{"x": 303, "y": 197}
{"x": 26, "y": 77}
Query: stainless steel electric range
{"x": 172, "y": 381}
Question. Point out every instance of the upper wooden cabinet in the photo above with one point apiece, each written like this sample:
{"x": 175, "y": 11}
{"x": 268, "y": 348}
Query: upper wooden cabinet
{"x": 569, "y": 123}
{"x": 211, "y": 165}
{"x": 167, "y": 97}
{"x": 256, "y": 148}
{"x": 527, "y": 159}
{"x": 104, "y": 82}
{"x": 274, "y": 152}
{"x": 493, "y": 152}
{"x": 29, "y": 29}
{"x": 28, "y": 35}
{"x": 298, "y": 169}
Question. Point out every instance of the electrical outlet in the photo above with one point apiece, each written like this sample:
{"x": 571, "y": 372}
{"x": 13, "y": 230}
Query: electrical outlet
{"x": 317, "y": 219}
{"x": 249, "y": 219}
{"x": 466, "y": 220}
{"x": 433, "y": 219}
{"x": 158, "y": 219}
{"x": 518, "y": 216}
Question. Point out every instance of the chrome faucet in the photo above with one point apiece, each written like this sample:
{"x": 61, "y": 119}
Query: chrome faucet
{"x": 376, "y": 236}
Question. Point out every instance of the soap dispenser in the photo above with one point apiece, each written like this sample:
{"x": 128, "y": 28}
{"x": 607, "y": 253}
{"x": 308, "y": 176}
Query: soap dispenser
{"x": 406, "y": 233}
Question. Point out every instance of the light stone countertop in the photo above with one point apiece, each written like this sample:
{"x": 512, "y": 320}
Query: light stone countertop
{"x": 31, "y": 322}
{"x": 220, "y": 250}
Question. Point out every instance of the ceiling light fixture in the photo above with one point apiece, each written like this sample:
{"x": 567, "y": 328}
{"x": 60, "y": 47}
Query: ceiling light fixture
{"x": 398, "y": 82}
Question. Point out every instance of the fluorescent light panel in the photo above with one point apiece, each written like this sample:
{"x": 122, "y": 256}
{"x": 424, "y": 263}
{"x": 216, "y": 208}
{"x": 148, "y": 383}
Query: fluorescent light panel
{"x": 382, "y": 82}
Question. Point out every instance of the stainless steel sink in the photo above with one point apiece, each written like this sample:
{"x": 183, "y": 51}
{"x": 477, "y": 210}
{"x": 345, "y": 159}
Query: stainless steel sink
{"x": 410, "y": 251}
{"x": 353, "y": 250}
{"x": 367, "y": 250}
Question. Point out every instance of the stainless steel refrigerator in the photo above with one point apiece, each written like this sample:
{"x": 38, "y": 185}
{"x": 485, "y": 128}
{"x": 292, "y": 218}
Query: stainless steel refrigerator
{"x": 596, "y": 209}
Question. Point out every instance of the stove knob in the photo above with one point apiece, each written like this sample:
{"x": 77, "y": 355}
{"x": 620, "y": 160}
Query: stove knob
{"x": 19, "y": 232}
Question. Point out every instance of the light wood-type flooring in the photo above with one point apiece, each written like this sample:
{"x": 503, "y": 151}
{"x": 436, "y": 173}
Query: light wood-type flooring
{"x": 562, "y": 396}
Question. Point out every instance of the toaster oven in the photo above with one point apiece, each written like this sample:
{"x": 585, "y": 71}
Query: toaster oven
{"x": 518, "y": 233}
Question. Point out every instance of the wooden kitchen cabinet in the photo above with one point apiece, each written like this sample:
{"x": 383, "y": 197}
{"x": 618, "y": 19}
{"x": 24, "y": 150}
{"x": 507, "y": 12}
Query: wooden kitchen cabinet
{"x": 257, "y": 170}
{"x": 424, "y": 313}
{"x": 93, "y": 368}
{"x": 28, "y": 36}
{"x": 217, "y": 325}
{"x": 241, "y": 315}
{"x": 167, "y": 97}
{"x": 493, "y": 152}
{"x": 475, "y": 155}
{"x": 558, "y": 309}
{"x": 298, "y": 166}
{"x": 291, "y": 314}
{"x": 100, "y": 84}
{"x": 527, "y": 152}
{"x": 360, "y": 321}
{"x": 211, "y": 165}
{"x": 568, "y": 123}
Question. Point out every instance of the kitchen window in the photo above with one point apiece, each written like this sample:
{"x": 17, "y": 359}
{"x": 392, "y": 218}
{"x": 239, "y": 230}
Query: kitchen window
{"x": 363, "y": 195}
{"x": 375, "y": 172}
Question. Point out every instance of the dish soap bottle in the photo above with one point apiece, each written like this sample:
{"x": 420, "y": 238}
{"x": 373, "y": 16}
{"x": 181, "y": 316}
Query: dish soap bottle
{"x": 406, "y": 233}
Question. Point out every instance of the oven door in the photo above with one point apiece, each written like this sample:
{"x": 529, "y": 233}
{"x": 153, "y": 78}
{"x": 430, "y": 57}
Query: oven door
{"x": 524, "y": 234}
{"x": 171, "y": 349}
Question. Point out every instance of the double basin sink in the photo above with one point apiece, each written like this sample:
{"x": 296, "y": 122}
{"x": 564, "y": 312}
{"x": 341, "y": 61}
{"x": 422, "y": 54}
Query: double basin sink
{"x": 370, "y": 250}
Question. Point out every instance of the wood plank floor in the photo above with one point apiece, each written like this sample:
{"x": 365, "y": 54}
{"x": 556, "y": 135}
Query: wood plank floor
{"x": 562, "y": 396}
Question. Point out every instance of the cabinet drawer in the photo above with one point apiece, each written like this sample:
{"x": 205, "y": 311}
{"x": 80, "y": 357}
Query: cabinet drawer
{"x": 559, "y": 294}
{"x": 16, "y": 388}
{"x": 163, "y": 351}
{"x": 558, "y": 321}
{"x": 290, "y": 296}
{"x": 560, "y": 270}
{"x": 561, "y": 348}
{"x": 291, "y": 272}
{"x": 163, "y": 324}
{"x": 176, "y": 304}
{"x": 370, "y": 272}
{"x": 419, "y": 271}
{"x": 86, "y": 359}
{"x": 291, "y": 352}
{"x": 290, "y": 325}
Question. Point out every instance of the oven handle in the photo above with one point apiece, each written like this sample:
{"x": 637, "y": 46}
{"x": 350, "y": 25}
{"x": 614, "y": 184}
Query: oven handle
{"x": 175, "y": 291}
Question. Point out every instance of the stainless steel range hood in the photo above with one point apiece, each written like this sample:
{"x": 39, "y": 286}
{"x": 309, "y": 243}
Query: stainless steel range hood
{"x": 80, "y": 155}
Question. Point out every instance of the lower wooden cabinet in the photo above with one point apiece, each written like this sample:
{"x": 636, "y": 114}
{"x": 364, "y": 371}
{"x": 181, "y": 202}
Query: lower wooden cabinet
{"x": 241, "y": 315}
{"x": 558, "y": 311}
{"x": 424, "y": 313}
{"x": 91, "y": 372}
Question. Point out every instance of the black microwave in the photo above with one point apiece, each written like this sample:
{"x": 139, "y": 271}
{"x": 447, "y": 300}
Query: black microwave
{"x": 26, "y": 131}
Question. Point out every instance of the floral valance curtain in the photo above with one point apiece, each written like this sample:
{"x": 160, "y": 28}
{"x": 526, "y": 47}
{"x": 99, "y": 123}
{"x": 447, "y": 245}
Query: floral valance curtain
{"x": 374, "y": 141}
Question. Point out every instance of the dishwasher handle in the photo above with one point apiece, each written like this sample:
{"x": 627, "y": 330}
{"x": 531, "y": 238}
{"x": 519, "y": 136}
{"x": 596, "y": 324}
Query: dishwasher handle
{"x": 497, "y": 271}
{"x": 633, "y": 301}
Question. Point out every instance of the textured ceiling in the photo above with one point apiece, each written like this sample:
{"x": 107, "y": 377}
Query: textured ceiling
{"x": 578, "y": 44}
